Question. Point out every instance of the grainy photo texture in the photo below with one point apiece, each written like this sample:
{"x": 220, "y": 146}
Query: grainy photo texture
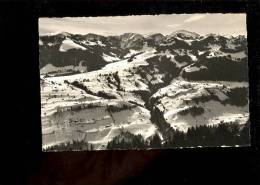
{"x": 143, "y": 82}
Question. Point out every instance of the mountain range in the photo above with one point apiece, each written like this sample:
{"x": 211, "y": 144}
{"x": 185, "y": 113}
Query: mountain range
{"x": 94, "y": 86}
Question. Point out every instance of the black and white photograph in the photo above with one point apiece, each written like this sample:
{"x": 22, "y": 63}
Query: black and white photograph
{"x": 144, "y": 82}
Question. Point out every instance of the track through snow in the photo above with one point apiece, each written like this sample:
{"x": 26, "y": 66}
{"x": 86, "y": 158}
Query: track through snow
{"x": 106, "y": 138}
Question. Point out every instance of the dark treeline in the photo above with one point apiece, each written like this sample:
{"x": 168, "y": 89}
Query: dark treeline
{"x": 114, "y": 79}
{"x": 236, "y": 96}
{"x": 70, "y": 57}
{"x": 158, "y": 65}
{"x": 99, "y": 93}
{"x": 228, "y": 134}
{"x": 126, "y": 140}
{"x": 194, "y": 111}
{"x": 113, "y": 108}
{"x": 219, "y": 68}
{"x": 70, "y": 146}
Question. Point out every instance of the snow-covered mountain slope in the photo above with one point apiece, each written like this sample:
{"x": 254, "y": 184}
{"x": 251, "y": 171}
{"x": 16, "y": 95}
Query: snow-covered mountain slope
{"x": 184, "y": 34}
{"x": 69, "y": 44}
{"x": 187, "y": 103}
{"x": 97, "y": 51}
{"x": 141, "y": 84}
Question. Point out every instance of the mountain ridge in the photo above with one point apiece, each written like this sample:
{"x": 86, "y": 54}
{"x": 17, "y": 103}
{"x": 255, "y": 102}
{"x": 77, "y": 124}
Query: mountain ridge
{"x": 93, "y": 88}
{"x": 145, "y": 35}
{"x": 118, "y": 46}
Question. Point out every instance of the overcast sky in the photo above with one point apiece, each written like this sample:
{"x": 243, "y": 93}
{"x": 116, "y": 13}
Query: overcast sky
{"x": 226, "y": 24}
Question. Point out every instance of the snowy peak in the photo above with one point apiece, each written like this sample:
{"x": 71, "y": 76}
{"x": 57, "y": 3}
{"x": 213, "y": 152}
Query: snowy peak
{"x": 157, "y": 38}
{"x": 184, "y": 34}
{"x": 97, "y": 50}
{"x": 69, "y": 44}
{"x": 130, "y": 36}
{"x": 93, "y": 37}
{"x": 66, "y": 34}
{"x": 132, "y": 41}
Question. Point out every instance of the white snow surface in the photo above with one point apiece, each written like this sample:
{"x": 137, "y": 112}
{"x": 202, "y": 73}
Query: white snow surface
{"x": 69, "y": 44}
{"x": 191, "y": 69}
{"x": 110, "y": 58}
{"x": 131, "y": 52}
{"x": 61, "y": 123}
{"x": 186, "y": 33}
{"x": 96, "y": 122}
{"x": 49, "y": 68}
{"x": 215, "y": 52}
{"x": 93, "y": 43}
{"x": 179, "y": 94}
{"x": 40, "y": 42}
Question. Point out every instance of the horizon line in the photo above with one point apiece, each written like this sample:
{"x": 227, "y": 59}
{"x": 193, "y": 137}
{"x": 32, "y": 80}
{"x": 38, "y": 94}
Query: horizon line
{"x": 143, "y": 34}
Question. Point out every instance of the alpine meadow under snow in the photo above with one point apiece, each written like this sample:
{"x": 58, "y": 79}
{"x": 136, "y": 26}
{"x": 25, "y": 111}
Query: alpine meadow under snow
{"x": 134, "y": 91}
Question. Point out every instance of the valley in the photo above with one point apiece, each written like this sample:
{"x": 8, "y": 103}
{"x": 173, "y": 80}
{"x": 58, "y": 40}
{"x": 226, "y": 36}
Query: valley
{"x": 93, "y": 88}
